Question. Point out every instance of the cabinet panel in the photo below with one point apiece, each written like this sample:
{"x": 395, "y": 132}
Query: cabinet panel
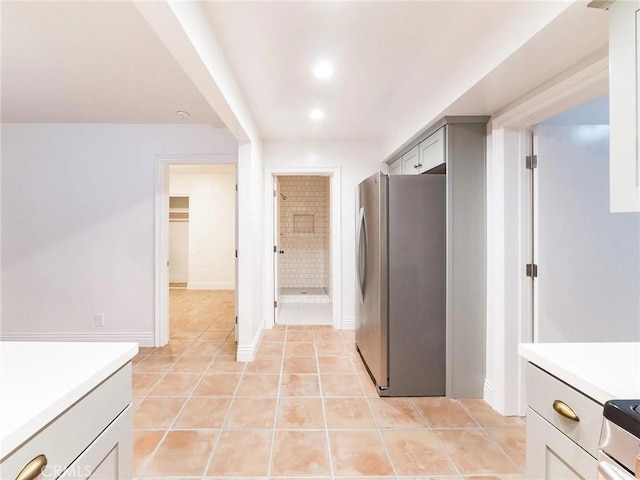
{"x": 624, "y": 86}
{"x": 396, "y": 167}
{"x": 553, "y": 456}
{"x": 543, "y": 389}
{"x": 69, "y": 434}
{"x": 110, "y": 456}
{"x": 410, "y": 162}
{"x": 432, "y": 151}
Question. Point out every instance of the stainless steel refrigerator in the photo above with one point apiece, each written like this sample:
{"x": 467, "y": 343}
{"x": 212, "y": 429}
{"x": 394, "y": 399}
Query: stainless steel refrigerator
{"x": 401, "y": 282}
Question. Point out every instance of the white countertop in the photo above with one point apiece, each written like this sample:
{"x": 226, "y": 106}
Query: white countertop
{"x": 40, "y": 380}
{"x": 602, "y": 371}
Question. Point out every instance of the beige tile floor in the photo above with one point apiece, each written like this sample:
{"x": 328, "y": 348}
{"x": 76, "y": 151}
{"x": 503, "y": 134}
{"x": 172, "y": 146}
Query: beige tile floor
{"x": 304, "y": 409}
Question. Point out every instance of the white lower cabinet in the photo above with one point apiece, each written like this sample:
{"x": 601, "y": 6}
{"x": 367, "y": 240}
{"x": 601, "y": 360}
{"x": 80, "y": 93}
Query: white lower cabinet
{"x": 109, "y": 456}
{"x": 551, "y": 455}
{"x": 563, "y": 429}
{"x": 92, "y": 439}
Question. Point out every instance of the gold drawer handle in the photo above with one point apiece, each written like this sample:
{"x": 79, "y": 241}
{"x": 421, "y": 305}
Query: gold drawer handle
{"x": 565, "y": 410}
{"x": 33, "y": 469}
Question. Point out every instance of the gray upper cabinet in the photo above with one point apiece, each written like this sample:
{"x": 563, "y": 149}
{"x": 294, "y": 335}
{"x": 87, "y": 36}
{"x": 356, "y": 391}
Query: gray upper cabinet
{"x": 456, "y": 147}
{"x": 410, "y": 163}
{"x": 432, "y": 152}
{"x": 624, "y": 88}
{"x": 395, "y": 168}
{"x": 428, "y": 154}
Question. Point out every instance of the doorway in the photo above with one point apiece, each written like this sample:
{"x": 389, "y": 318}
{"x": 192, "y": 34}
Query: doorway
{"x": 273, "y": 198}
{"x": 209, "y": 232}
{"x": 178, "y": 241}
{"x": 302, "y": 226}
{"x": 587, "y": 258}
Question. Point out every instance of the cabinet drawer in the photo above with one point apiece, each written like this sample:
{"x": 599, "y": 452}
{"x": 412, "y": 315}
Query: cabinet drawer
{"x": 70, "y": 433}
{"x": 544, "y": 389}
{"x": 553, "y": 456}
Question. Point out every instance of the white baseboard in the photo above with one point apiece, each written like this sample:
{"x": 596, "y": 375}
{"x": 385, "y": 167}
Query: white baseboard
{"x": 487, "y": 393}
{"x": 247, "y": 353}
{"x": 144, "y": 339}
{"x": 211, "y": 286}
{"x": 348, "y": 323}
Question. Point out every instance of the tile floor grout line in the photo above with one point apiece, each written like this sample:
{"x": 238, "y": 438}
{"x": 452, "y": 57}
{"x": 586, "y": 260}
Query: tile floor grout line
{"x": 275, "y": 419}
{"x": 483, "y": 428}
{"x": 435, "y": 436}
{"x": 146, "y": 463}
{"x": 332, "y": 469}
{"x": 223, "y": 350}
{"x": 500, "y": 448}
{"x": 187, "y": 398}
{"x": 216, "y": 443}
{"x": 384, "y": 444}
{"x": 168, "y": 429}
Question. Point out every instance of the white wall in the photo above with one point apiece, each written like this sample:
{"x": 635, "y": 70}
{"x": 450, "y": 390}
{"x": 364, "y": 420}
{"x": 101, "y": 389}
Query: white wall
{"x": 185, "y": 30}
{"x": 78, "y": 225}
{"x": 588, "y": 258}
{"x": 357, "y": 160}
{"x": 211, "y": 228}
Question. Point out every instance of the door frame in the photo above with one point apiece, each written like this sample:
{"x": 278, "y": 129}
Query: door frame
{"x": 509, "y": 299}
{"x": 161, "y": 270}
{"x": 336, "y": 253}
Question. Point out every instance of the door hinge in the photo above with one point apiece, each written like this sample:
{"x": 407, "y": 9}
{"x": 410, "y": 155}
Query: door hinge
{"x": 236, "y": 253}
{"x": 275, "y": 304}
{"x": 532, "y": 162}
{"x": 275, "y": 249}
{"x": 236, "y": 187}
{"x": 236, "y": 319}
{"x": 532, "y": 270}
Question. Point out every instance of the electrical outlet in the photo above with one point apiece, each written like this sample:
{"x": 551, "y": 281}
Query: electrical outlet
{"x": 99, "y": 320}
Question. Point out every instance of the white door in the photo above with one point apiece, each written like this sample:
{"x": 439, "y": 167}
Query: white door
{"x": 235, "y": 292}
{"x": 276, "y": 246}
{"x": 588, "y": 258}
{"x": 178, "y": 251}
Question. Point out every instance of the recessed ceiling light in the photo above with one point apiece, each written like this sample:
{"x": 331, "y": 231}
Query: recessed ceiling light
{"x": 183, "y": 114}
{"x": 323, "y": 70}
{"x": 316, "y": 114}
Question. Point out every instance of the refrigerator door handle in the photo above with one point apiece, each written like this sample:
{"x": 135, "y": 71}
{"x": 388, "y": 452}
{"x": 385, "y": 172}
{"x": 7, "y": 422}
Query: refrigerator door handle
{"x": 361, "y": 254}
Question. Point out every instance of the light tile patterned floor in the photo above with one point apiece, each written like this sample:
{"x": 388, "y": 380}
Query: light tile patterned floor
{"x": 304, "y": 409}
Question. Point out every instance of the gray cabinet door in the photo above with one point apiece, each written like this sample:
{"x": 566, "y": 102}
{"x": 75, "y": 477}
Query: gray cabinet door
{"x": 410, "y": 162}
{"x": 432, "y": 151}
{"x": 396, "y": 167}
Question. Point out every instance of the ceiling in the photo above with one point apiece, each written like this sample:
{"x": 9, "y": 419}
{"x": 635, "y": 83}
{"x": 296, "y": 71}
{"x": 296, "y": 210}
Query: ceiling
{"x": 91, "y": 62}
{"x": 397, "y": 64}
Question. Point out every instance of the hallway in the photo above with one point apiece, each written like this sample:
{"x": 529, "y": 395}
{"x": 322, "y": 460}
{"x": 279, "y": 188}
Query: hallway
{"x": 304, "y": 408}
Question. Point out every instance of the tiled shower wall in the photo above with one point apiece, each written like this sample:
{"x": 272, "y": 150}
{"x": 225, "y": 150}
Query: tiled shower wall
{"x": 305, "y": 234}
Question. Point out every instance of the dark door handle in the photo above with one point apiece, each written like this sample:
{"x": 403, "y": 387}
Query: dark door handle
{"x": 281, "y": 252}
